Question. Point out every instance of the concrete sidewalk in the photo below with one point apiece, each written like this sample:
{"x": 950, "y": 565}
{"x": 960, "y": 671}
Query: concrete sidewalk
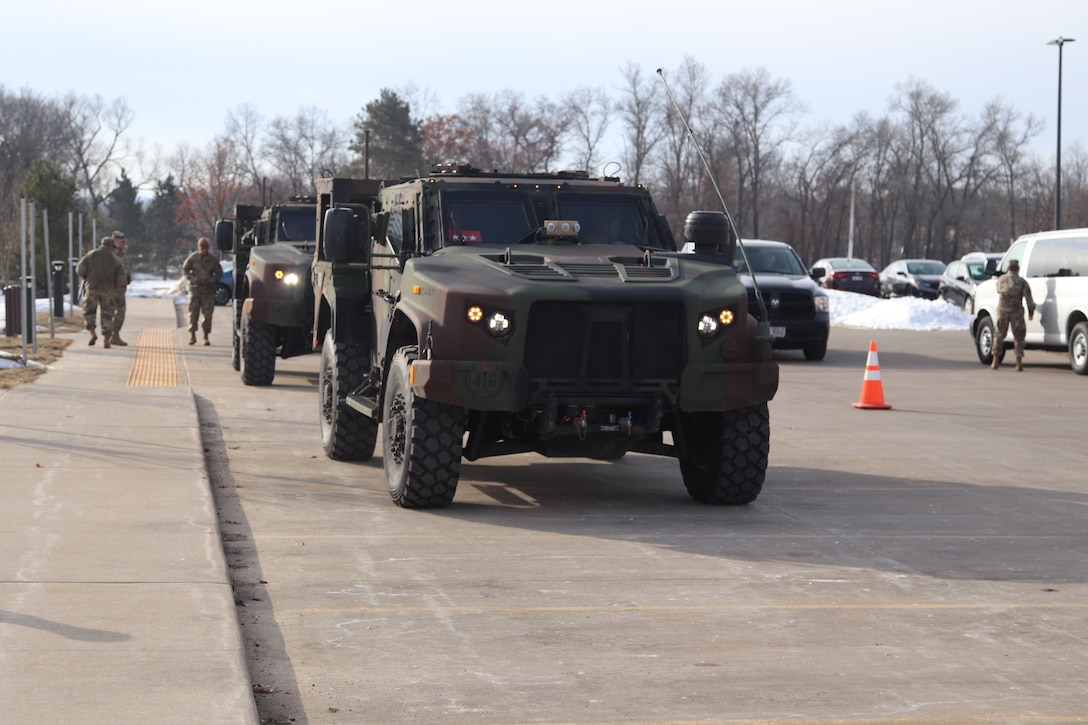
{"x": 115, "y": 601}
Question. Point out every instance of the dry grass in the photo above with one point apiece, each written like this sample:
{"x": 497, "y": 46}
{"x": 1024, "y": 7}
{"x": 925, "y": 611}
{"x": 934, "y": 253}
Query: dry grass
{"x": 49, "y": 349}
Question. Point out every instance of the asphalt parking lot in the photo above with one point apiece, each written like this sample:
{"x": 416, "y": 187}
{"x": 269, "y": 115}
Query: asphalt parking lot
{"x": 924, "y": 564}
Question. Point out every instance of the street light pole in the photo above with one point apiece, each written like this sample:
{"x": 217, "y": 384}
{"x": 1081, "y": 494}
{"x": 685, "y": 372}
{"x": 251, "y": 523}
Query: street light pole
{"x": 1060, "y": 41}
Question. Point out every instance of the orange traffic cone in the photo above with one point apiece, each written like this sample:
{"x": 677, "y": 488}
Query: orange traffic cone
{"x": 872, "y": 392}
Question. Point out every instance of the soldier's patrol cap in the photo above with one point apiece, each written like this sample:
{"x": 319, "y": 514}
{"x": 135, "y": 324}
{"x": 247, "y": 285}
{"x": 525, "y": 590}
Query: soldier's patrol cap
{"x": 118, "y": 235}
{"x": 107, "y": 240}
{"x": 1014, "y": 264}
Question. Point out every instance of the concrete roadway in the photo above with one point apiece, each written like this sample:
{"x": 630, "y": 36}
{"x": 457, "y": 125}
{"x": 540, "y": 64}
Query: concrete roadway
{"x": 920, "y": 565}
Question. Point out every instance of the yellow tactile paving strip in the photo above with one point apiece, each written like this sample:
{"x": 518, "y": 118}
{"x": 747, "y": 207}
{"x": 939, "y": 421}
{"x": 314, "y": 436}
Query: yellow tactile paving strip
{"x": 154, "y": 365}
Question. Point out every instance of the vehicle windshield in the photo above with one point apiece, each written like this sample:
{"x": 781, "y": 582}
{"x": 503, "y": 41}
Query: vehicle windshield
{"x": 297, "y": 225}
{"x": 977, "y": 271}
{"x": 507, "y": 217}
{"x": 770, "y": 260}
{"x": 925, "y": 267}
{"x": 604, "y": 220}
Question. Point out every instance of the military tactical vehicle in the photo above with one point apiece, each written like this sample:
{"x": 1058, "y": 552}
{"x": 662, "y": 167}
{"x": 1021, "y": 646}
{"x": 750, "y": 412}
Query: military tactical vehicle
{"x": 481, "y": 314}
{"x": 273, "y": 250}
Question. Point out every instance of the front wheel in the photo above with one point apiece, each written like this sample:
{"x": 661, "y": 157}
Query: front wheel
{"x": 816, "y": 350}
{"x": 222, "y": 295}
{"x": 346, "y": 435}
{"x": 257, "y": 352}
{"x": 1078, "y": 348}
{"x": 725, "y": 456}
{"x": 984, "y": 340}
{"x": 421, "y": 441}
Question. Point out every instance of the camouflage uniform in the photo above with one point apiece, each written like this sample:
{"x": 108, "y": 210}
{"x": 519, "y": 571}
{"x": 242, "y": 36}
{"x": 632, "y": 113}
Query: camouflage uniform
{"x": 103, "y": 273}
{"x": 1012, "y": 292}
{"x": 203, "y": 271}
{"x": 119, "y": 295}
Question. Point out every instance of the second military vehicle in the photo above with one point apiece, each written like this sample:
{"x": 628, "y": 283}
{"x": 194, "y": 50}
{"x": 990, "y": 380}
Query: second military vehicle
{"x": 476, "y": 314}
{"x": 273, "y": 250}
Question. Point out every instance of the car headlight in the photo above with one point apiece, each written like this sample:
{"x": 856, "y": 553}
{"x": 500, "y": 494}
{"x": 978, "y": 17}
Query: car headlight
{"x": 823, "y": 303}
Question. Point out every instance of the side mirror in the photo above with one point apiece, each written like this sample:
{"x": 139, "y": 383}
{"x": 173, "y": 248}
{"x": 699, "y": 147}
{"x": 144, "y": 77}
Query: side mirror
{"x": 817, "y": 272}
{"x": 224, "y": 235}
{"x": 338, "y": 239}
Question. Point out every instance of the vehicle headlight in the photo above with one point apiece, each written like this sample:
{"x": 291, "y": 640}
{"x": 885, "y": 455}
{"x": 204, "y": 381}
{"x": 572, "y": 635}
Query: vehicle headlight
{"x": 291, "y": 278}
{"x": 823, "y": 303}
{"x": 497, "y": 323}
{"x": 710, "y": 323}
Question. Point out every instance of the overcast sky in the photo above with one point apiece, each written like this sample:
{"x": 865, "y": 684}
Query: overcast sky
{"x": 182, "y": 66}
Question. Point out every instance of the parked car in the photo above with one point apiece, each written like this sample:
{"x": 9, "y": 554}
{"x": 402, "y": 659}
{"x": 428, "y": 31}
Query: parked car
{"x": 848, "y": 274}
{"x": 1055, "y": 265}
{"x": 223, "y": 294}
{"x": 797, "y": 308}
{"x": 961, "y": 277}
{"x": 911, "y": 278}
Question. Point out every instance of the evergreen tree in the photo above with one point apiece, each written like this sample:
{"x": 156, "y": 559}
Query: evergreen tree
{"x": 396, "y": 140}
{"x": 164, "y": 242}
{"x": 127, "y": 215}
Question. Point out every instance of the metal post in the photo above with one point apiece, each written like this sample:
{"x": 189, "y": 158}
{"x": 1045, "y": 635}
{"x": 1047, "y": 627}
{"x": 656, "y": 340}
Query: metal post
{"x": 1060, "y": 41}
{"x": 31, "y": 315}
{"x": 71, "y": 264}
{"x": 49, "y": 288}
{"x": 22, "y": 269}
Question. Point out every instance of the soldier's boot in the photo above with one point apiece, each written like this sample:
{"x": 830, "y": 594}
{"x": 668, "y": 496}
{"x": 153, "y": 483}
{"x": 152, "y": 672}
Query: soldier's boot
{"x": 106, "y": 339}
{"x": 94, "y": 336}
{"x": 115, "y": 339}
{"x": 206, "y": 340}
{"x": 192, "y": 338}
{"x": 996, "y": 363}
{"x": 1019, "y": 364}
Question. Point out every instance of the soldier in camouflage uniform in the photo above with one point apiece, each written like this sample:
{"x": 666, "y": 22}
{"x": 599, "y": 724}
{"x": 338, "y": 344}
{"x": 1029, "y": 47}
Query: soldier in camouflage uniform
{"x": 119, "y": 319}
{"x": 1012, "y": 292}
{"x": 103, "y": 273}
{"x": 203, "y": 271}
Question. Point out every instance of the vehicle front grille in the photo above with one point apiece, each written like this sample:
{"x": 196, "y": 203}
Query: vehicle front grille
{"x": 790, "y": 305}
{"x": 586, "y": 342}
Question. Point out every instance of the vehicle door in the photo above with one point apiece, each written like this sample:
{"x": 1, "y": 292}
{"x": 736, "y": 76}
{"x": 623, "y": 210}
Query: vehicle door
{"x": 387, "y": 258}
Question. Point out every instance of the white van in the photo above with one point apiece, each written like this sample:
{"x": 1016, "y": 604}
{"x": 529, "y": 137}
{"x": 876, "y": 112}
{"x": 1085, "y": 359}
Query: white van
{"x": 1055, "y": 264}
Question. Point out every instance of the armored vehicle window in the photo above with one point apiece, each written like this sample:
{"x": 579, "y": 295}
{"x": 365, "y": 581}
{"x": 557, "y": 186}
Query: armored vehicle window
{"x": 486, "y": 220}
{"x": 297, "y": 225}
{"x": 605, "y": 219}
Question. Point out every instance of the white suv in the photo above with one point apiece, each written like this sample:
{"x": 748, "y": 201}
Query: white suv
{"x": 1055, "y": 265}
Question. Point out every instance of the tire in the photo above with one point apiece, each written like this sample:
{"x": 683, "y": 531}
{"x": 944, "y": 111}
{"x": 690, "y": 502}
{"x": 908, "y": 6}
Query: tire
{"x": 235, "y": 331}
{"x": 725, "y": 461}
{"x": 222, "y": 295}
{"x": 1078, "y": 348}
{"x": 346, "y": 435}
{"x": 984, "y": 340}
{"x": 816, "y": 350}
{"x": 257, "y": 352}
{"x": 421, "y": 441}
{"x": 969, "y": 305}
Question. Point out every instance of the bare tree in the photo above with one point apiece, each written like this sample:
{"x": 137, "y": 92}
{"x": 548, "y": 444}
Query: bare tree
{"x": 677, "y": 159}
{"x": 760, "y": 111}
{"x": 95, "y": 148}
{"x": 300, "y": 149}
{"x": 641, "y": 108}
{"x": 1010, "y": 146}
{"x": 244, "y": 128}
{"x": 590, "y": 113}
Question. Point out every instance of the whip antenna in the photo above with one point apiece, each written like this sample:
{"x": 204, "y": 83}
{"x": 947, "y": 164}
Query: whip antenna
{"x": 721, "y": 198}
